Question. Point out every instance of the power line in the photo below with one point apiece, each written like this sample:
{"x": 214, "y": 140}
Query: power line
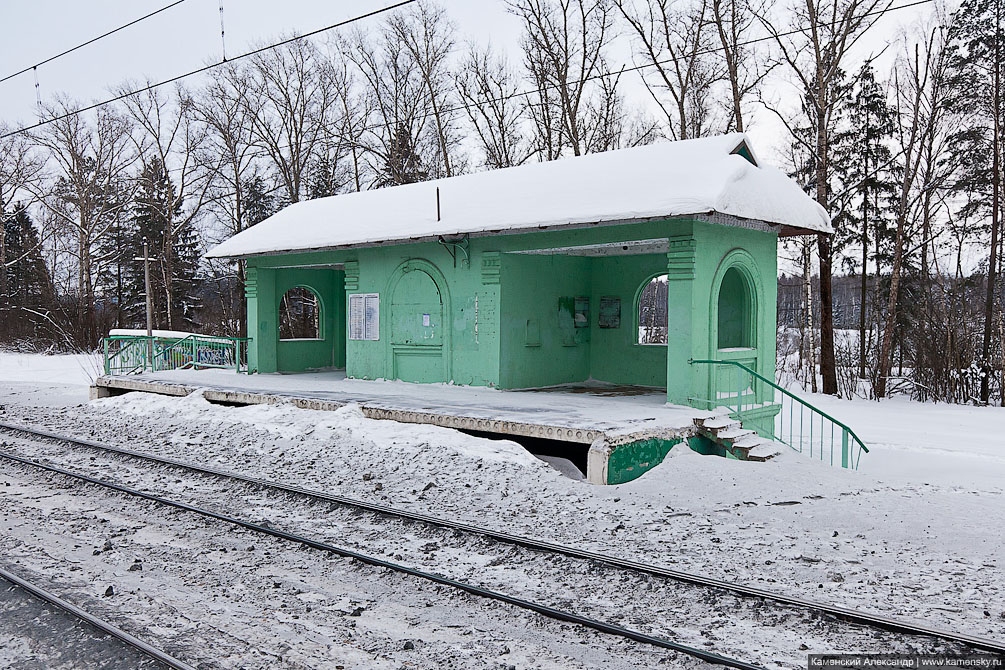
{"x": 207, "y": 68}
{"x": 91, "y": 41}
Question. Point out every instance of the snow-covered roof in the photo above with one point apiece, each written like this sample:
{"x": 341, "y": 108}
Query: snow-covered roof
{"x": 700, "y": 176}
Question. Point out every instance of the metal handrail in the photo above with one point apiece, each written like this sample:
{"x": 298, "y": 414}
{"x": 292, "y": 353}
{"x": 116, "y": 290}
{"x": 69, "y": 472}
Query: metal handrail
{"x": 847, "y": 431}
{"x": 160, "y": 351}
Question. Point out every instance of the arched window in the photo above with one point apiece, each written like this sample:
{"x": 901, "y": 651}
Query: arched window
{"x": 300, "y": 315}
{"x": 735, "y": 307}
{"x": 652, "y": 311}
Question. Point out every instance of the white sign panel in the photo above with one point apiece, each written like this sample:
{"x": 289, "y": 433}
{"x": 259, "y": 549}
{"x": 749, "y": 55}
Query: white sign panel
{"x": 364, "y": 316}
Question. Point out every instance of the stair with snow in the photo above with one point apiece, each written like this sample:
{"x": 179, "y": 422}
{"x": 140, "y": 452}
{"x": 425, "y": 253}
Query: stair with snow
{"x": 729, "y": 433}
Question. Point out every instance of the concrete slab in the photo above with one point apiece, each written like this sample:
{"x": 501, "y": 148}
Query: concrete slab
{"x": 596, "y": 415}
{"x": 568, "y": 414}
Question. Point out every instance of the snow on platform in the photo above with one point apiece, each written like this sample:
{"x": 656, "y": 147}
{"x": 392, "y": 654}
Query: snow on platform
{"x": 565, "y": 414}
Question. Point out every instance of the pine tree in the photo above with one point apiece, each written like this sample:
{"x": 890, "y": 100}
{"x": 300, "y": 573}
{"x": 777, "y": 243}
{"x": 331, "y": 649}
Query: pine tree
{"x": 977, "y": 44}
{"x": 175, "y": 253}
{"x": 403, "y": 164}
{"x": 863, "y": 160}
{"x": 30, "y": 293}
{"x": 259, "y": 202}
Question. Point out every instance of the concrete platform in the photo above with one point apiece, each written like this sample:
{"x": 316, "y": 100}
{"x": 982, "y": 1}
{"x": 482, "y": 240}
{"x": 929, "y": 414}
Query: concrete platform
{"x": 634, "y": 422}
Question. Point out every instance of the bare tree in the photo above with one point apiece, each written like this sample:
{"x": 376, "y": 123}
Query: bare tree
{"x": 745, "y": 66}
{"x": 488, "y": 88}
{"x": 675, "y": 43}
{"x": 168, "y": 131}
{"x": 564, "y": 42}
{"x": 814, "y": 44}
{"x": 229, "y": 153}
{"x": 288, "y": 99}
{"x": 428, "y": 37}
{"x": 228, "y": 148}
{"x": 92, "y": 157}
{"x": 919, "y": 88}
{"x": 397, "y": 141}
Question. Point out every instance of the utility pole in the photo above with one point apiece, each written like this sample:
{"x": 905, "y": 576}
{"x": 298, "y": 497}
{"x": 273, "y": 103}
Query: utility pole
{"x": 150, "y": 305}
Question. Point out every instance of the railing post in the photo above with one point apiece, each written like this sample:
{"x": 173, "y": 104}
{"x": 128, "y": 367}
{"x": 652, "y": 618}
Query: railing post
{"x": 738, "y": 389}
{"x": 194, "y": 354}
{"x": 104, "y": 342}
{"x": 845, "y": 451}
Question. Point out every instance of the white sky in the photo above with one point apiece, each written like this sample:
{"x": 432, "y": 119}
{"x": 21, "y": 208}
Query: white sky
{"x": 188, "y": 36}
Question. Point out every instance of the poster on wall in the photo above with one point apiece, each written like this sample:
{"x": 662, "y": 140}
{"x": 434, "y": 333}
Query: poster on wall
{"x": 610, "y": 312}
{"x": 364, "y": 316}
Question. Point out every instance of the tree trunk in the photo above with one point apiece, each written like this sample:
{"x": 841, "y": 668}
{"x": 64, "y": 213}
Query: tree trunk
{"x": 811, "y": 357}
{"x": 865, "y": 275}
{"x": 886, "y": 351}
{"x": 828, "y": 366}
{"x": 3, "y": 256}
{"x": 828, "y": 370}
{"x": 989, "y": 297}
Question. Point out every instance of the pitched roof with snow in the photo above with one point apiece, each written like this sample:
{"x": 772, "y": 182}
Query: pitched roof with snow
{"x": 700, "y": 176}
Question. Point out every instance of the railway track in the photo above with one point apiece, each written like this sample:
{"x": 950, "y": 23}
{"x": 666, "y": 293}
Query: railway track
{"x": 823, "y": 612}
{"x": 104, "y": 629}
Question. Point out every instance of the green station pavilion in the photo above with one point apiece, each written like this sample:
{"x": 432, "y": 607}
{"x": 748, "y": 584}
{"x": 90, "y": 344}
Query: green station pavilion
{"x": 643, "y": 270}
{"x": 534, "y": 275}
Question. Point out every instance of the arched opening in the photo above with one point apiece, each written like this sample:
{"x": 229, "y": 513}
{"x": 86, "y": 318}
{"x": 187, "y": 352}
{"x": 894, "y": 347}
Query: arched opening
{"x": 653, "y": 311}
{"x": 300, "y": 315}
{"x": 735, "y": 311}
{"x": 418, "y": 334}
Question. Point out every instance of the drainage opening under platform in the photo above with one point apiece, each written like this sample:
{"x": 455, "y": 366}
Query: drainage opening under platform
{"x": 569, "y": 458}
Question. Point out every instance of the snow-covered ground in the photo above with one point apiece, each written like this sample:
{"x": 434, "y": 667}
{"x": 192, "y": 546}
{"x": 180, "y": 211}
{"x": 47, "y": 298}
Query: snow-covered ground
{"x": 72, "y": 369}
{"x": 915, "y": 533}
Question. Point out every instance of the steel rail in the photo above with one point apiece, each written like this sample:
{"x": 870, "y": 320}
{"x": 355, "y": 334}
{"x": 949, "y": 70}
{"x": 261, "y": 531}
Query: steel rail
{"x": 546, "y": 610}
{"x": 844, "y": 613}
{"x": 100, "y": 624}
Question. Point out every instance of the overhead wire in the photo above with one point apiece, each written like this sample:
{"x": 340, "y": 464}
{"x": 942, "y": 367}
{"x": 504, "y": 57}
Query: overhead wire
{"x": 90, "y": 41}
{"x": 207, "y": 68}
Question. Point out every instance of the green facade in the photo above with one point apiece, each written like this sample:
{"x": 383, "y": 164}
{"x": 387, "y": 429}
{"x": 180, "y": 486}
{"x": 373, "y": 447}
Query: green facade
{"x": 481, "y": 312}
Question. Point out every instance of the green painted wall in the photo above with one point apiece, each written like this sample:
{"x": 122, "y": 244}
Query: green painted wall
{"x": 615, "y": 355}
{"x": 507, "y": 318}
{"x": 540, "y": 344}
{"x": 268, "y": 353}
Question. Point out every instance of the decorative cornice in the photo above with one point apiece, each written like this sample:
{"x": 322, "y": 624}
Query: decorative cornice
{"x": 352, "y": 275}
{"x": 251, "y": 282}
{"x": 681, "y": 258}
{"x": 491, "y": 265}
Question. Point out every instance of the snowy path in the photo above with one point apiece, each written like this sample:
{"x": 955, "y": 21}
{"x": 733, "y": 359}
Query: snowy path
{"x": 749, "y": 629}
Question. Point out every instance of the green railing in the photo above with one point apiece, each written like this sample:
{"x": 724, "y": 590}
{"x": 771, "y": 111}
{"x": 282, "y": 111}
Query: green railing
{"x": 778, "y": 414}
{"x": 133, "y": 354}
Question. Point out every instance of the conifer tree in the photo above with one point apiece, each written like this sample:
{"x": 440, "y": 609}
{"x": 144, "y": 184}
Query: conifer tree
{"x": 977, "y": 44}
{"x": 176, "y": 254}
{"x": 863, "y": 160}
{"x": 29, "y": 294}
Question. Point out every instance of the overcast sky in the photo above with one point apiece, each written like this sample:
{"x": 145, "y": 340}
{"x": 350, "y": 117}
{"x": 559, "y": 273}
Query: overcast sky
{"x": 188, "y": 36}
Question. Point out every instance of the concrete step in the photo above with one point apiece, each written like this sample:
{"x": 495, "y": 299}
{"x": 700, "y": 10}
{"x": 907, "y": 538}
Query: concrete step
{"x": 733, "y": 434}
{"x": 764, "y": 451}
{"x": 716, "y": 423}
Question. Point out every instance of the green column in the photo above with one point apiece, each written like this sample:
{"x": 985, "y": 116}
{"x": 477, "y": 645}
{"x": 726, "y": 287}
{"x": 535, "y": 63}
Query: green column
{"x": 263, "y": 326}
{"x": 681, "y": 332}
